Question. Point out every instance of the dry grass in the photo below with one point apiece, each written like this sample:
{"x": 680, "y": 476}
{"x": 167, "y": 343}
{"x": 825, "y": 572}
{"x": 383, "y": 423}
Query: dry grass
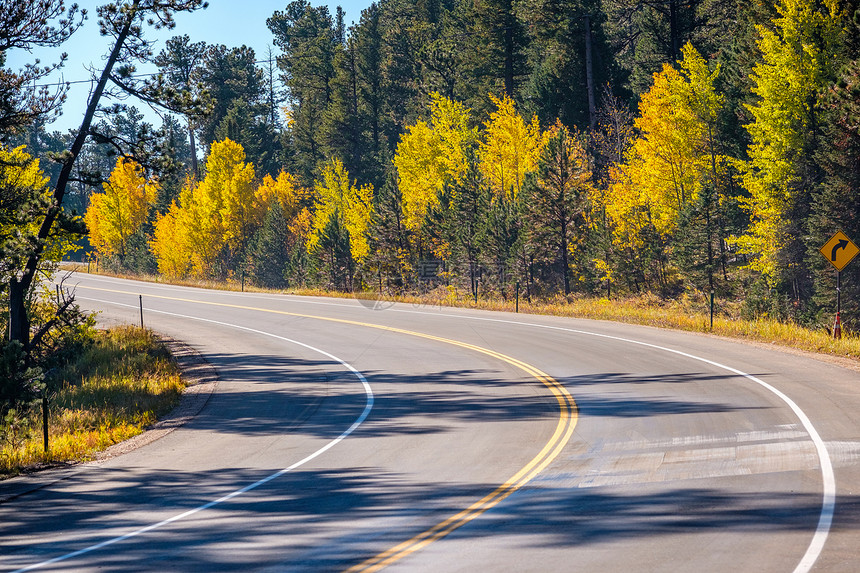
{"x": 120, "y": 385}
{"x": 688, "y": 313}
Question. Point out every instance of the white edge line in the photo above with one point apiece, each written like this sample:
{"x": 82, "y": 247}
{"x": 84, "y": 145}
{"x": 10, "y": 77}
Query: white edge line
{"x": 361, "y": 418}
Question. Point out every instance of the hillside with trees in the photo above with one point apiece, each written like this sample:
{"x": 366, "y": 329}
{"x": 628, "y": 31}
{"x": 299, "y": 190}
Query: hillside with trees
{"x": 568, "y": 148}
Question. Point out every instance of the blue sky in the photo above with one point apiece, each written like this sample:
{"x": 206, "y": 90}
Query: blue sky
{"x": 229, "y": 22}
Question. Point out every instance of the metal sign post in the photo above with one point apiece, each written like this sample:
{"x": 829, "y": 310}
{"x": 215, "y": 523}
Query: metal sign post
{"x": 837, "y": 327}
{"x": 839, "y": 251}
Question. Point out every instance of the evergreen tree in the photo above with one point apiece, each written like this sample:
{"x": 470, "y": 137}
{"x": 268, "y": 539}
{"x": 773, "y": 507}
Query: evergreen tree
{"x": 645, "y": 35}
{"x": 389, "y": 242}
{"x": 231, "y": 78}
{"x": 26, "y": 24}
{"x": 835, "y": 205}
{"x": 270, "y": 255}
{"x": 342, "y": 131}
{"x": 308, "y": 41}
{"x": 561, "y": 83}
{"x": 180, "y": 62}
{"x": 557, "y": 197}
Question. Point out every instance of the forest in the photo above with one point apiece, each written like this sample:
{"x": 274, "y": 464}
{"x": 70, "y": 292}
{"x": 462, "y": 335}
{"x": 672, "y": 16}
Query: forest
{"x": 558, "y": 148}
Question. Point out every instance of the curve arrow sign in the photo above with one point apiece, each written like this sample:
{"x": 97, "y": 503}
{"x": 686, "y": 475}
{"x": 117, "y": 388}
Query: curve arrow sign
{"x": 839, "y": 250}
{"x": 840, "y": 245}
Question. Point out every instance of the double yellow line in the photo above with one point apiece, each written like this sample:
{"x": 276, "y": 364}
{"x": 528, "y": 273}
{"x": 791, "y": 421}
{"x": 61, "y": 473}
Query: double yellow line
{"x": 567, "y": 419}
{"x": 563, "y": 431}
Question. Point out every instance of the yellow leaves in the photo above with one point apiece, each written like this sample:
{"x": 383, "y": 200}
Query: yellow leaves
{"x": 26, "y": 198}
{"x": 25, "y": 192}
{"x": 219, "y": 214}
{"x": 675, "y": 154}
{"x": 431, "y": 156}
{"x": 226, "y": 200}
{"x": 337, "y": 198}
{"x": 421, "y": 172}
{"x": 241, "y": 212}
{"x": 285, "y": 190}
{"x": 509, "y": 148}
{"x": 116, "y": 214}
{"x": 627, "y": 207}
{"x": 798, "y": 55}
{"x": 169, "y": 244}
{"x": 451, "y": 123}
{"x": 209, "y": 229}
{"x": 19, "y": 170}
{"x": 301, "y": 224}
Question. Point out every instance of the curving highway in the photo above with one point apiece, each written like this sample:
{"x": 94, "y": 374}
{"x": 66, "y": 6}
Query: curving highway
{"x": 346, "y": 435}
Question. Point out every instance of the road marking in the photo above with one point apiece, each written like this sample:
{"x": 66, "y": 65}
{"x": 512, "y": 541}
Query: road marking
{"x": 828, "y": 503}
{"x": 561, "y": 436}
{"x": 358, "y": 421}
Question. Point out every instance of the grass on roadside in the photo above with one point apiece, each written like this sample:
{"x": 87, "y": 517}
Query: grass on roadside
{"x": 690, "y": 313}
{"x": 119, "y": 385}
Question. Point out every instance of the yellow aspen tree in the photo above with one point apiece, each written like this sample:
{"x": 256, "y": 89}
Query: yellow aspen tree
{"x": 286, "y": 191}
{"x": 674, "y": 156}
{"x": 23, "y": 184}
{"x": 24, "y": 198}
{"x": 432, "y": 155}
{"x": 223, "y": 208}
{"x": 301, "y": 224}
{"x": 116, "y": 214}
{"x": 509, "y": 149}
{"x": 226, "y": 204}
{"x": 797, "y": 59}
{"x": 242, "y": 211}
{"x": 216, "y": 218}
{"x": 169, "y": 244}
{"x": 337, "y": 198}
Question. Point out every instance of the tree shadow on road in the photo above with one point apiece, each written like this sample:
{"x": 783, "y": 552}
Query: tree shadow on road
{"x": 272, "y": 394}
{"x": 327, "y": 520}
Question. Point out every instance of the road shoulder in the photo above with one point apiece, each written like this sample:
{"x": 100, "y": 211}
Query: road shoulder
{"x": 200, "y": 379}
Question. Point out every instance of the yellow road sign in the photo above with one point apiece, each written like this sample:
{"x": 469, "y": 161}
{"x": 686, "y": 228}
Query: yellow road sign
{"x": 839, "y": 250}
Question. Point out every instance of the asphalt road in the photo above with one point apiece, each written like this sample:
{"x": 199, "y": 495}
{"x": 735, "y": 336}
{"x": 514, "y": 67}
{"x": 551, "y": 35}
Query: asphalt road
{"x": 344, "y": 434}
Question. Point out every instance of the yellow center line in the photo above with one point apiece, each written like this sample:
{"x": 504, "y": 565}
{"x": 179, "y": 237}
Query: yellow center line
{"x": 568, "y": 416}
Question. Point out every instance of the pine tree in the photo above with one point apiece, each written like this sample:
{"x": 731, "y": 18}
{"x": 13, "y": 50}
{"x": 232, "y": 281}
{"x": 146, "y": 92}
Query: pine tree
{"x": 309, "y": 41}
{"x": 557, "y": 197}
{"x": 835, "y": 205}
{"x": 561, "y": 36}
{"x": 230, "y": 76}
{"x": 180, "y": 61}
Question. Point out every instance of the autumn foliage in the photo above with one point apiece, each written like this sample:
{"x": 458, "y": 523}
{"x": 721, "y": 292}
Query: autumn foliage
{"x": 119, "y": 211}
{"x": 716, "y": 178}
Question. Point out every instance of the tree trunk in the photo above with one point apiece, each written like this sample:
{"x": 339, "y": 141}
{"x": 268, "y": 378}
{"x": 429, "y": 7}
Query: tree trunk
{"x": 674, "y": 32}
{"x": 509, "y": 51}
{"x": 193, "y": 145}
{"x": 589, "y": 77}
{"x": 564, "y": 257}
{"x": 19, "y": 287}
{"x": 19, "y": 324}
